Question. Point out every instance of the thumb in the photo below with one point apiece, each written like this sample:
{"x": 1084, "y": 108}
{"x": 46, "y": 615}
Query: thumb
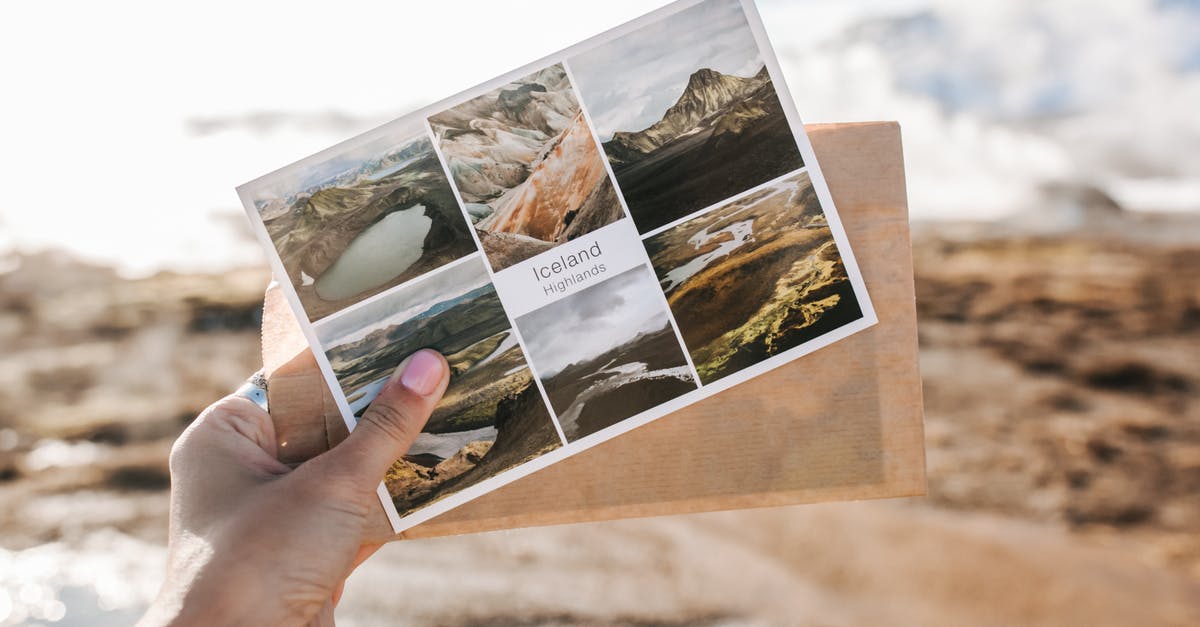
{"x": 395, "y": 418}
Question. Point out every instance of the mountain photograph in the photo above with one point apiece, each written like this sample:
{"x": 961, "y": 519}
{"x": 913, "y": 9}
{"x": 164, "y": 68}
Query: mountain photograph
{"x": 687, "y": 112}
{"x": 492, "y": 416}
{"x": 753, "y": 278}
{"x": 527, "y": 167}
{"x": 364, "y": 221}
{"x": 606, "y": 353}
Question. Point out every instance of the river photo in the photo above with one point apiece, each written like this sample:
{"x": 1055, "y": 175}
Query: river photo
{"x": 623, "y": 357}
{"x": 754, "y": 277}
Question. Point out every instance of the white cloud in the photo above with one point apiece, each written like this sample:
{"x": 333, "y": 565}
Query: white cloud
{"x": 101, "y": 160}
{"x": 98, "y": 149}
{"x": 995, "y": 98}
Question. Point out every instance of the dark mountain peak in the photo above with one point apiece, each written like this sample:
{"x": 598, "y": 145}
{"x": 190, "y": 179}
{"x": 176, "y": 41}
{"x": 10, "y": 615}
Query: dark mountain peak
{"x": 707, "y": 95}
{"x": 707, "y": 91}
{"x": 703, "y": 76}
{"x": 710, "y": 90}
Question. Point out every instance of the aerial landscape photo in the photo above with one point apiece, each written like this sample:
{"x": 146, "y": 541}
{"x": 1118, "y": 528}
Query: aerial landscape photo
{"x": 686, "y": 111}
{"x": 527, "y": 167}
{"x": 364, "y": 220}
{"x": 492, "y": 417}
{"x": 606, "y": 353}
{"x": 754, "y": 278}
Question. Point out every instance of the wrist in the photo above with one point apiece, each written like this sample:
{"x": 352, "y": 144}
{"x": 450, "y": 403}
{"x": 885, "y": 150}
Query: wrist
{"x": 195, "y": 608}
{"x": 199, "y": 592}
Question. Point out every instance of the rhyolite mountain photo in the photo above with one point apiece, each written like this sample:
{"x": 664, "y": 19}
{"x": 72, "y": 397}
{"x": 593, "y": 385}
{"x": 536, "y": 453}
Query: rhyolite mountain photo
{"x": 606, "y": 353}
{"x": 492, "y": 417}
{"x": 368, "y": 224}
{"x": 754, "y": 278}
{"x": 687, "y": 112}
{"x": 527, "y": 167}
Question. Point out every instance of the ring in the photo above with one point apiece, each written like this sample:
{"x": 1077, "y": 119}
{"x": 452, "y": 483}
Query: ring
{"x": 254, "y": 390}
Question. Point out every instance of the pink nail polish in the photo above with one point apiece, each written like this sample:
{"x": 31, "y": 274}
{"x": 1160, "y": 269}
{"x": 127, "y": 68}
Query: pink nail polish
{"x": 422, "y": 373}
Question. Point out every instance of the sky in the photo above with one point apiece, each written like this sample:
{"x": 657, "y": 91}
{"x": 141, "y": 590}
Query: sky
{"x": 998, "y": 98}
{"x": 588, "y": 323}
{"x": 628, "y": 83}
{"x": 399, "y": 305}
{"x": 127, "y": 127}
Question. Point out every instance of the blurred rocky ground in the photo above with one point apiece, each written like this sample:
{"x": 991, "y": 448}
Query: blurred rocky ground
{"x": 1062, "y": 387}
{"x": 98, "y": 375}
{"x": 1062, "y": 384}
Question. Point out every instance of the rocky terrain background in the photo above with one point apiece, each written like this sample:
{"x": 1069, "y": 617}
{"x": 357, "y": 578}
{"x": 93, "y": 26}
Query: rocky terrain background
{"x": 1062, "y": 392}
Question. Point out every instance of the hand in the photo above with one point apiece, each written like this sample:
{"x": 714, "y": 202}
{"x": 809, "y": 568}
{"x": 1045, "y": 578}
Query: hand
{"x": 253, "y": 542}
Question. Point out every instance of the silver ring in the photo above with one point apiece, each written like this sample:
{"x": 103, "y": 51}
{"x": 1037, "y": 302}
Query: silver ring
{"x": 254, "y": 390}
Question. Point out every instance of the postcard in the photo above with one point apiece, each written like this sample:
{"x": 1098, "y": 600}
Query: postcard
{"x": 593, "y": 241}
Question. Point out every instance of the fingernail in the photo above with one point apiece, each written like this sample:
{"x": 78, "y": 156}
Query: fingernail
{"x": 421, "y": 372}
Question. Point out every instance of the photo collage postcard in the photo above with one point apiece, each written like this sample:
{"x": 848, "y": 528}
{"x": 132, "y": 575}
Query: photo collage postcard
{"x": 593, "y": 241}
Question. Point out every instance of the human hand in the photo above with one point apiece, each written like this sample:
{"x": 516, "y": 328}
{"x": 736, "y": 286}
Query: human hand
{"x": 255, "y": 542}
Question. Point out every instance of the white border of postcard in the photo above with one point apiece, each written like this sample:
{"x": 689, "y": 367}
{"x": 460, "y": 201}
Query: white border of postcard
{"x": 248, "y": 193}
